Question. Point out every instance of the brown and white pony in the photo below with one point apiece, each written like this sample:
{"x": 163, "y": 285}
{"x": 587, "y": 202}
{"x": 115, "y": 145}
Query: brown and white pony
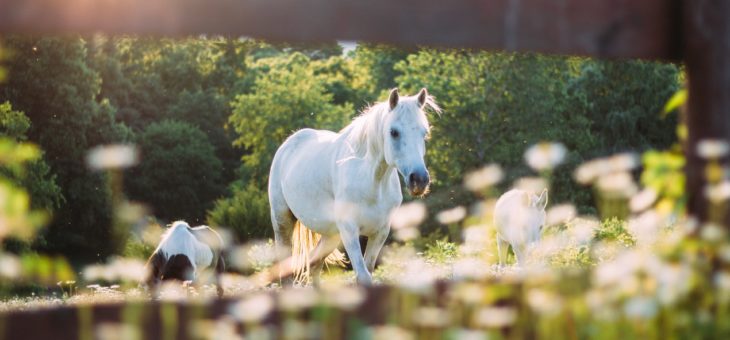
{"x": 183, "y": 253}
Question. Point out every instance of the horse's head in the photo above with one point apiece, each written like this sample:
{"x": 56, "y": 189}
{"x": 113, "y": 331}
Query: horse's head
{"x": 405, "y": 132}
{"x": 178, "y": 267}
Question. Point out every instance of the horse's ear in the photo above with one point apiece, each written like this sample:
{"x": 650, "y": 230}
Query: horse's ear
{"x": 422, "y": 96}
{"x": 393, "y": 99}
{"x": 542, "y": 200}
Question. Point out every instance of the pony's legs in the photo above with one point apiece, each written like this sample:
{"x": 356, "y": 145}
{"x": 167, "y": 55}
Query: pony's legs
{"x": 502, "y": 247}
{"x": 351, "y": 240}
{"x": 375, "y": 244}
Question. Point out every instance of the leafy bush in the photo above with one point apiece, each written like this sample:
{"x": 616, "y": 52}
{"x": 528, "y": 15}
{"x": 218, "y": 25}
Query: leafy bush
{"x": 179, "y": 174}
{"x": 245, "y": 213}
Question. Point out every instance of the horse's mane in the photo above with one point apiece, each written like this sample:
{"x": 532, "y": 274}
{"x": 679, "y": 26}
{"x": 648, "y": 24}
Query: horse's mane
{"x": 364, "y": 134}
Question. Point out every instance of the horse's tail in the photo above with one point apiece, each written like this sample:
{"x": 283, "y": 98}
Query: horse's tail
{"x": 303, "y": 242}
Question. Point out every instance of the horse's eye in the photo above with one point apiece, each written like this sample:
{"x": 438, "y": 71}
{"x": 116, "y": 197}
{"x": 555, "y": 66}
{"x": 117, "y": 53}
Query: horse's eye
{"x": 394, "y": 133}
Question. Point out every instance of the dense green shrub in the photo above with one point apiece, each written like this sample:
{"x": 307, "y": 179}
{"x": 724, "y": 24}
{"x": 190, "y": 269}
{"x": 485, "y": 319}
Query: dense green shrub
{"x": 179, "y": 174}
{"x": 245, "y": 213}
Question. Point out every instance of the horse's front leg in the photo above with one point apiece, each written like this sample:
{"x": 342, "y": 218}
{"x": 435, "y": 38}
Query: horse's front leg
{"x": 375, "y": 244}
{"x": 350, "y": 235}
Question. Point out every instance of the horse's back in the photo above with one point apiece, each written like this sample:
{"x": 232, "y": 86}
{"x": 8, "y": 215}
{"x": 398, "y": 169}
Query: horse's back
{"x": 301, "y": 177}
{"x": 510, "y": 214}
{"x": 208, "y": 236}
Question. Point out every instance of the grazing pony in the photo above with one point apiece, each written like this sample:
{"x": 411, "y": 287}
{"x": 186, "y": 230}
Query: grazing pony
{"x": 327, "y": 187}
{"x": 183, "y": 253}
{"x": 519, "y": 216}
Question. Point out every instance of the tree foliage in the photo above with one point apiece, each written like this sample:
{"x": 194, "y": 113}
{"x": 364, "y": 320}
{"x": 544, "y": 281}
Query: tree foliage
{"x": 179, "y": 174}
{"x": 210, "y": 112}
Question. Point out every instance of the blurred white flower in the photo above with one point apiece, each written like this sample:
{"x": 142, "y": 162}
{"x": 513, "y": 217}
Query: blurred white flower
{"x": 589, "y": 171}
{"x": 583, "y": 231}
{"x": 470, "y": 293}
{"x": 544, "y": 301}
{"x": 471, "y": 268}
{"x": 452, "y": 215}
{"x": 112, "y": 157}
{"x": 347, "y": 298}
{"x": 559, "y": 214}
{"x": 719, "y": 192}
{"x": 641, "y": 307}
{"x": 545, "y": 156}
{"x": 645, "y": 227}
{"x": 390, "y": 332}
{"x": 297, "y": 299}
{"x": 476, "y": 240}
{"x": 643, "y": 200}
{"x": 531, "y": 184}
{"x": 623, "y": 162}
{"x": 712, "y": 148}
{"x": 253, "y": 309}
{"x": 118, "y": 269}
{"x": 432, "y": 317}
{"x": 712, "y": 232}
{"x": 417, "y": 276}
{"x": 173, "y": 291}
{"x": 120, "y": 331}
{"x": 10, "y": 267}
{"x": 483, "y": 178}
{"x": 407, "y": 234}
{"x": 408, "y": 215}
{"x": 257, "y": 255}
{"x": 619, "y": 184}
{"x": 495, "y": 317}
{"x": 673, "y": 281}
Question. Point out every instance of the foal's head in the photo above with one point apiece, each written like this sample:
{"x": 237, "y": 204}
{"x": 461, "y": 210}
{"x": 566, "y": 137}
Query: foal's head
{"x": 405, "y": 132}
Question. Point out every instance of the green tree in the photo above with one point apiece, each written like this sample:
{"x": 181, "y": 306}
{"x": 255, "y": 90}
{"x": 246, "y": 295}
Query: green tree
{"x": 37, "y": 178}
{"x": 288, "y": 96}
{"x": 179, "y": 174}
{"x": 52, "y": 83}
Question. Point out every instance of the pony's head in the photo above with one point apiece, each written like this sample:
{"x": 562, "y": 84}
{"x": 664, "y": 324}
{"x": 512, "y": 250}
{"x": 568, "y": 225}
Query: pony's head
{"x": 405, "y": 130}
{"x": 178, "y": 267}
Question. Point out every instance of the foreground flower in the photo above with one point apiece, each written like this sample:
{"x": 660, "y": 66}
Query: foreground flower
{"x": 254, "y": 308}
{"x": 453, "y": 215}
{"x": 408, "y": 215}
{"x": 483, "y": 178}
{"x": 112, "y": 157}
{"x": 545, "y": 156}
{"x": 712, "y": 148}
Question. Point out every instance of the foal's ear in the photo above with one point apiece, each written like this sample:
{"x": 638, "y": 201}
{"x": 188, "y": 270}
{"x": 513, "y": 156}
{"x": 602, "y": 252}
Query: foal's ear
{"x": 542, "y": 200}
{"x": 422, "y": 96}
{"x": 393, "y": 100}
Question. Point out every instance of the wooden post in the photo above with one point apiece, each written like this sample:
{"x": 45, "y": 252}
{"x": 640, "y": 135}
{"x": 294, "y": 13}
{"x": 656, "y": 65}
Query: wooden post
{"x": 706, "y": 35}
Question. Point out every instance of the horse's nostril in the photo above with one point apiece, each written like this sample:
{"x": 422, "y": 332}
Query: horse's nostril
{"x": 412, "y": 178}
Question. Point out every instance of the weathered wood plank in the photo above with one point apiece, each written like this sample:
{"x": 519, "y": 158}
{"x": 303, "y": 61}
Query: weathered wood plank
{"x": 602, "y": 28}
{"x": 707, "y": 56}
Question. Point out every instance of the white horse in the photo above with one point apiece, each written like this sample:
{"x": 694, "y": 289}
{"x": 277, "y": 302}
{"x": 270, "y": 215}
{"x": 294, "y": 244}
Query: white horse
{"x": 343, "y": 185}
{"x": 519, "y": 216}
{"x": 183, "y": 253}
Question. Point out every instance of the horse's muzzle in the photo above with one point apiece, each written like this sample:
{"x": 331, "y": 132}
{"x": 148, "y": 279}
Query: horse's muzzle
{"x": 418, "y": 182}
